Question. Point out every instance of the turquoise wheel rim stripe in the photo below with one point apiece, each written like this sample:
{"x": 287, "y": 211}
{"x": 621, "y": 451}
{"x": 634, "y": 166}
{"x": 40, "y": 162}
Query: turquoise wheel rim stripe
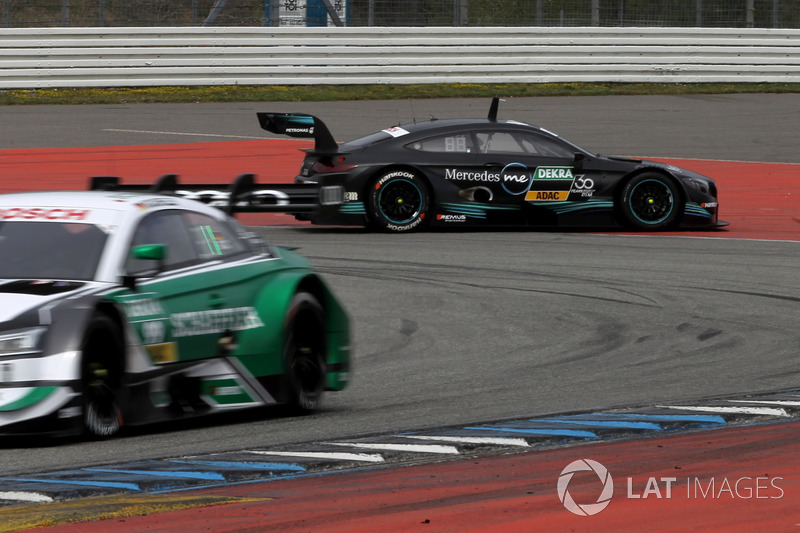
{"x": 391, "y": 217}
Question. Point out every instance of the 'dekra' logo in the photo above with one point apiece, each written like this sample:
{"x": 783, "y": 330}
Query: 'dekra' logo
{"x": 585, "y": 465}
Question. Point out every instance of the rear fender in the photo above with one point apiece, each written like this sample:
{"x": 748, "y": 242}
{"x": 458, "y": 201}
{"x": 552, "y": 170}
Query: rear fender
{"x": 261, "y": 349}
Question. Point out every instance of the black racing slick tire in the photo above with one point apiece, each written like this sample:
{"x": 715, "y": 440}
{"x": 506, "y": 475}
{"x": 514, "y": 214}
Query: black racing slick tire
{"x": 102, "y": 354}
{"x": 650, "y": 201}
{"x": 399, "y": 202}
{"x": 304, "y": 351}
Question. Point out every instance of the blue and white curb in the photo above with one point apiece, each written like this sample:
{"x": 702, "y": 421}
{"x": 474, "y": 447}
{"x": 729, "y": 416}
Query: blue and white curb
{"x": 258, "y": 465}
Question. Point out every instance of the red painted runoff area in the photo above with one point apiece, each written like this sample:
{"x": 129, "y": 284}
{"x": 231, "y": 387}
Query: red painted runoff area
{"x": 760, "y": 200}
{"x": 735, "y": 480}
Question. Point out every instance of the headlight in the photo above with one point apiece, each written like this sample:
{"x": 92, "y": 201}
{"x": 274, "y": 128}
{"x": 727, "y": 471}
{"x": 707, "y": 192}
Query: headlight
{"x": 700, "y": 185}
{"x": 22, "y": 341}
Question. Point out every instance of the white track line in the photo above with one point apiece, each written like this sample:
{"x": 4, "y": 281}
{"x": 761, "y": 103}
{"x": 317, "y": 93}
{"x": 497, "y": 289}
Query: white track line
{"x": 367, "y": 457}
{"x": 788, "y": 403}
{"x": 412, "y": 448}
{"x": 25, "y": 497}
{"x": 498, "y": 441}
{"x": 766, "y": 411}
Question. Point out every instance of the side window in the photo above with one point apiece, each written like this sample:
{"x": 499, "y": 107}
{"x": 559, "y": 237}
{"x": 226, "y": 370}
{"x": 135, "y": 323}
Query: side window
{"x": 498, "y": 142}
{"x": 166, "y": 227}
{"x": 545, "y": 146}
{"x": 447, "y": 144}
{"x": 521, "y": 143}
{"x": 211, "y": 238}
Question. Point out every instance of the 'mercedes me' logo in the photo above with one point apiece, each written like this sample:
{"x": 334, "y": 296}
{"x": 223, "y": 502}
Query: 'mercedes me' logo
{"x": 516, "y": 179}
{"x": 606, "y": 492}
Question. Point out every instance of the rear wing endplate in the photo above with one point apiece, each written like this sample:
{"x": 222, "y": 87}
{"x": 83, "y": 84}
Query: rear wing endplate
{"x": 300, "y": 125}
{"x": 244, "y": 195}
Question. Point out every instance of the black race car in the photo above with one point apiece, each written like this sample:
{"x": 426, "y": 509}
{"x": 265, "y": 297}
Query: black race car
{"x": 492, "y": 172}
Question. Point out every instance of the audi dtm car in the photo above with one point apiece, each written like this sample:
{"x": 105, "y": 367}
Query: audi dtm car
{"x": 122, "y": 308}
{"x": 488, "y": 171}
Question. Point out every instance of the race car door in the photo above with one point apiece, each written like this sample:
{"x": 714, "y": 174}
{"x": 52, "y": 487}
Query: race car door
{"x": 190, "y": 302}
{"x": 531, "y": 166}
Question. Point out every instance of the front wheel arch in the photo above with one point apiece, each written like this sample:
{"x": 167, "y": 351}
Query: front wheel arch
{"x": 650, "y": 200}
{"x": 101, "y": 375}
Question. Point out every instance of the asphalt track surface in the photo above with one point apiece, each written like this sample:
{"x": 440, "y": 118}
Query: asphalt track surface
{"x": 464, "y": 327}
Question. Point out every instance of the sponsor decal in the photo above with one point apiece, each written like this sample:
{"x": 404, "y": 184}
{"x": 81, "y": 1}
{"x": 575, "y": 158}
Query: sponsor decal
{"x": 709, "y": 205}
{"x": 412, "y": 225}
{"x": 396, "y": 132}
{"x": 553, "y": 173}
{"x": 547, "y": 196}
{"x": 517, "y": 179}
{"x": 350, "y": 196}
{"x": 165, "y": 352}
{"x": 451, "y": 218}
{"x": 217, "y": 198}
{"x": 225, "y": 391}
{"x": 481, "y": 176}
{"x": 551, "y": 184}
{"x": 214, "y": 321}
{"x": 143, "y": 305}
{"x": 156, "y": 202}
{"x": 44, "y": 213}
{"x": 583, "y": 186}
{"x": 309, "y": 130}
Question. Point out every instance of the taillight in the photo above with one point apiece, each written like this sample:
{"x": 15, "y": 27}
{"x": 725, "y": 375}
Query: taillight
{"x": 336, "y": 165}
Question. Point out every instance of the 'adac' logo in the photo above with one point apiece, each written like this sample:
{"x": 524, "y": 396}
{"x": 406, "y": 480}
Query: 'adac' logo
{"x": 547, "y": 196}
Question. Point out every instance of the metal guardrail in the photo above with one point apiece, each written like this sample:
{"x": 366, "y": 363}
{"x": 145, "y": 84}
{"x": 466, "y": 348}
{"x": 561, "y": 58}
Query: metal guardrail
{"x": 33, "y": 58}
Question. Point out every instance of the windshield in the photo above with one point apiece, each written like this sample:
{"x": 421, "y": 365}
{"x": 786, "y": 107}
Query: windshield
{"x": 50, "y": 250}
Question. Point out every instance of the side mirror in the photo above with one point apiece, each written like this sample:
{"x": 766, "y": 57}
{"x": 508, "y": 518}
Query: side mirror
{"x": 580, "y": 157}
{"x": 153, "y": 252}
{"x": 146, "y": 252}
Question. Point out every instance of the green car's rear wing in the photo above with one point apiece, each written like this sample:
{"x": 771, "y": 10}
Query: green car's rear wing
{"x": 300, "y": 125}
{"x": 244, "y": 195}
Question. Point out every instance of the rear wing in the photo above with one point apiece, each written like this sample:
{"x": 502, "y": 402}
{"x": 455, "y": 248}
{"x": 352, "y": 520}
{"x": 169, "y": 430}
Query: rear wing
{"x": 300, "y": 125}
{"x": 244, "y": 195}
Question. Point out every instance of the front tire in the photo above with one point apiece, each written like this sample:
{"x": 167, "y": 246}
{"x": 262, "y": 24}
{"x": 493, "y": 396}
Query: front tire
{"x": 650, "y": 201}
{"x": 304, "y": 353}
{"x": 399, "y": 201}
{"x": 101, "y": 377}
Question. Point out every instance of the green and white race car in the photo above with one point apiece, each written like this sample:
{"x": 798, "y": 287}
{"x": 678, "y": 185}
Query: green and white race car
{"x": 123, "y": 308}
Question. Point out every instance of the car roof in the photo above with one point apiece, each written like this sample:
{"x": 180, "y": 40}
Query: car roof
{"x": 434, "y": 123}
{"x": 90, "y": 206}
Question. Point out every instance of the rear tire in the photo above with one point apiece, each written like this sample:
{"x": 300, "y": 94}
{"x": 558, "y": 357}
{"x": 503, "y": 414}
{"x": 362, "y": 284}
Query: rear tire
{"x": 399, "y": 202}
{"x": 304, "y": 353}
{"x": 650, "y": 201}
{"x": 101, "y": 377}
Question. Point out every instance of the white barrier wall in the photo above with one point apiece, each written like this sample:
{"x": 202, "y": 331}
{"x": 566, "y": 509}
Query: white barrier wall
{"x": 128, "y": 57}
